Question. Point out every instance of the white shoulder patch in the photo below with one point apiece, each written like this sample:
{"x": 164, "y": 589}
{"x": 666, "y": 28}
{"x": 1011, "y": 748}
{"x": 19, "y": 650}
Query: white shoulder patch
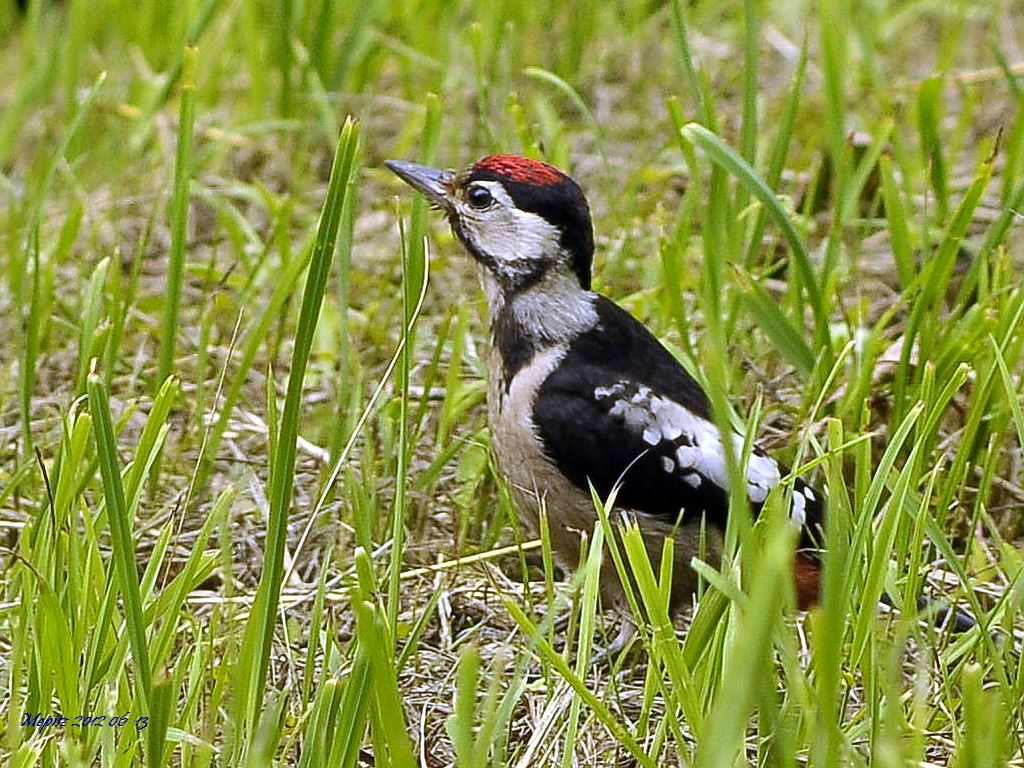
{"x": 692, "y": 445}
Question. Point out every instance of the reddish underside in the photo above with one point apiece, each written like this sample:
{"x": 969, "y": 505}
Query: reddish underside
{"x": 807, "y": 580}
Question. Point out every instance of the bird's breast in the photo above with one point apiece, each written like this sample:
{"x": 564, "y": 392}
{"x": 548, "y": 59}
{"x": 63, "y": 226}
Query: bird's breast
{"x": 519, "y": 450}
{"x": 510, "y": 407}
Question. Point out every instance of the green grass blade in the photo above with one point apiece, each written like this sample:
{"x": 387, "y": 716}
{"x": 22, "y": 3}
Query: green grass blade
{"x": 121, "y": 534}
{"x": 834, "y": 29}
{"x": 724, "y": 156}
{"x": 263, "y": 619}
{"x": 704, "y": 110}
{"x": 786, "y": 337}
{"x": 160, "y": 716}
{"x": 415, "y": 270}
{"x": 748, "y": 665}
{"x": 899, "y": 230}
{"x": 179, "y": 218}
{"x": 780, "y": 151}
{"x": 929, "y": 117}
{"x": 599, "y": 709}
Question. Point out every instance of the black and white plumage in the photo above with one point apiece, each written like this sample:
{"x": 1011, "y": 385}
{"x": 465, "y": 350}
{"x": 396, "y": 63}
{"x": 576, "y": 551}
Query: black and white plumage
{"x": 582, "y": 393}
{"x": 638, "y": 419}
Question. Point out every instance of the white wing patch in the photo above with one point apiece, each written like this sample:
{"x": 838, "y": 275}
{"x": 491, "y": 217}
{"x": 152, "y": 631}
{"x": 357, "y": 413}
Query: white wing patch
{"x": 799, "y": 511}
{"x": 802, "y": 496}
{"x": 694, "y": 443}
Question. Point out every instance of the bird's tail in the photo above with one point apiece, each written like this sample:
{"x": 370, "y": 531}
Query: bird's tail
{"x": 807, "y": 573}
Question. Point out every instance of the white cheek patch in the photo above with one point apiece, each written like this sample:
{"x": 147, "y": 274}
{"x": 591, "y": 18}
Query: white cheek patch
{"x": 693, "y": 446}
{"x": 537, "y": 238}
{"x": 507, "y": 234}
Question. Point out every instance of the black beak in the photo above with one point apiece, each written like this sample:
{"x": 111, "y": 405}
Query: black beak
{"x": 435, "y": 183}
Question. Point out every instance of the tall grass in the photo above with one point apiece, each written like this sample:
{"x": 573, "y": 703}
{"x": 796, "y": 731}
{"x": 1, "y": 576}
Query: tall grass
{"x": 330, "y": 569}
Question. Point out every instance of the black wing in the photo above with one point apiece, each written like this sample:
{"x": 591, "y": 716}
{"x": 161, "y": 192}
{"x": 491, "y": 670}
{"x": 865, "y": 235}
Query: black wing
{"x": 621, "y": 410}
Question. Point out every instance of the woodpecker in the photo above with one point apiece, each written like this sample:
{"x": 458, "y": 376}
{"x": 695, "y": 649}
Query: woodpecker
{"x": 580, "y": 392}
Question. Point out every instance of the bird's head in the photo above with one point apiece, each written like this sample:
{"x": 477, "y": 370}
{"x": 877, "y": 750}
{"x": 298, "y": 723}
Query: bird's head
{"x": 521, "y": 219}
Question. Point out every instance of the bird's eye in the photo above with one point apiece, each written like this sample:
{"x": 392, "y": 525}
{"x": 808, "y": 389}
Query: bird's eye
{"x": 479, "y": 197}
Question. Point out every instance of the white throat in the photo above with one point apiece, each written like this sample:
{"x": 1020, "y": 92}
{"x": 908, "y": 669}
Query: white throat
{"x": 553, "y": 310}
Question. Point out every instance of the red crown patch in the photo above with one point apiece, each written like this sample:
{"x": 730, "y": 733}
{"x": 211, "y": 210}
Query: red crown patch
{"x": 521, "y": 169}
